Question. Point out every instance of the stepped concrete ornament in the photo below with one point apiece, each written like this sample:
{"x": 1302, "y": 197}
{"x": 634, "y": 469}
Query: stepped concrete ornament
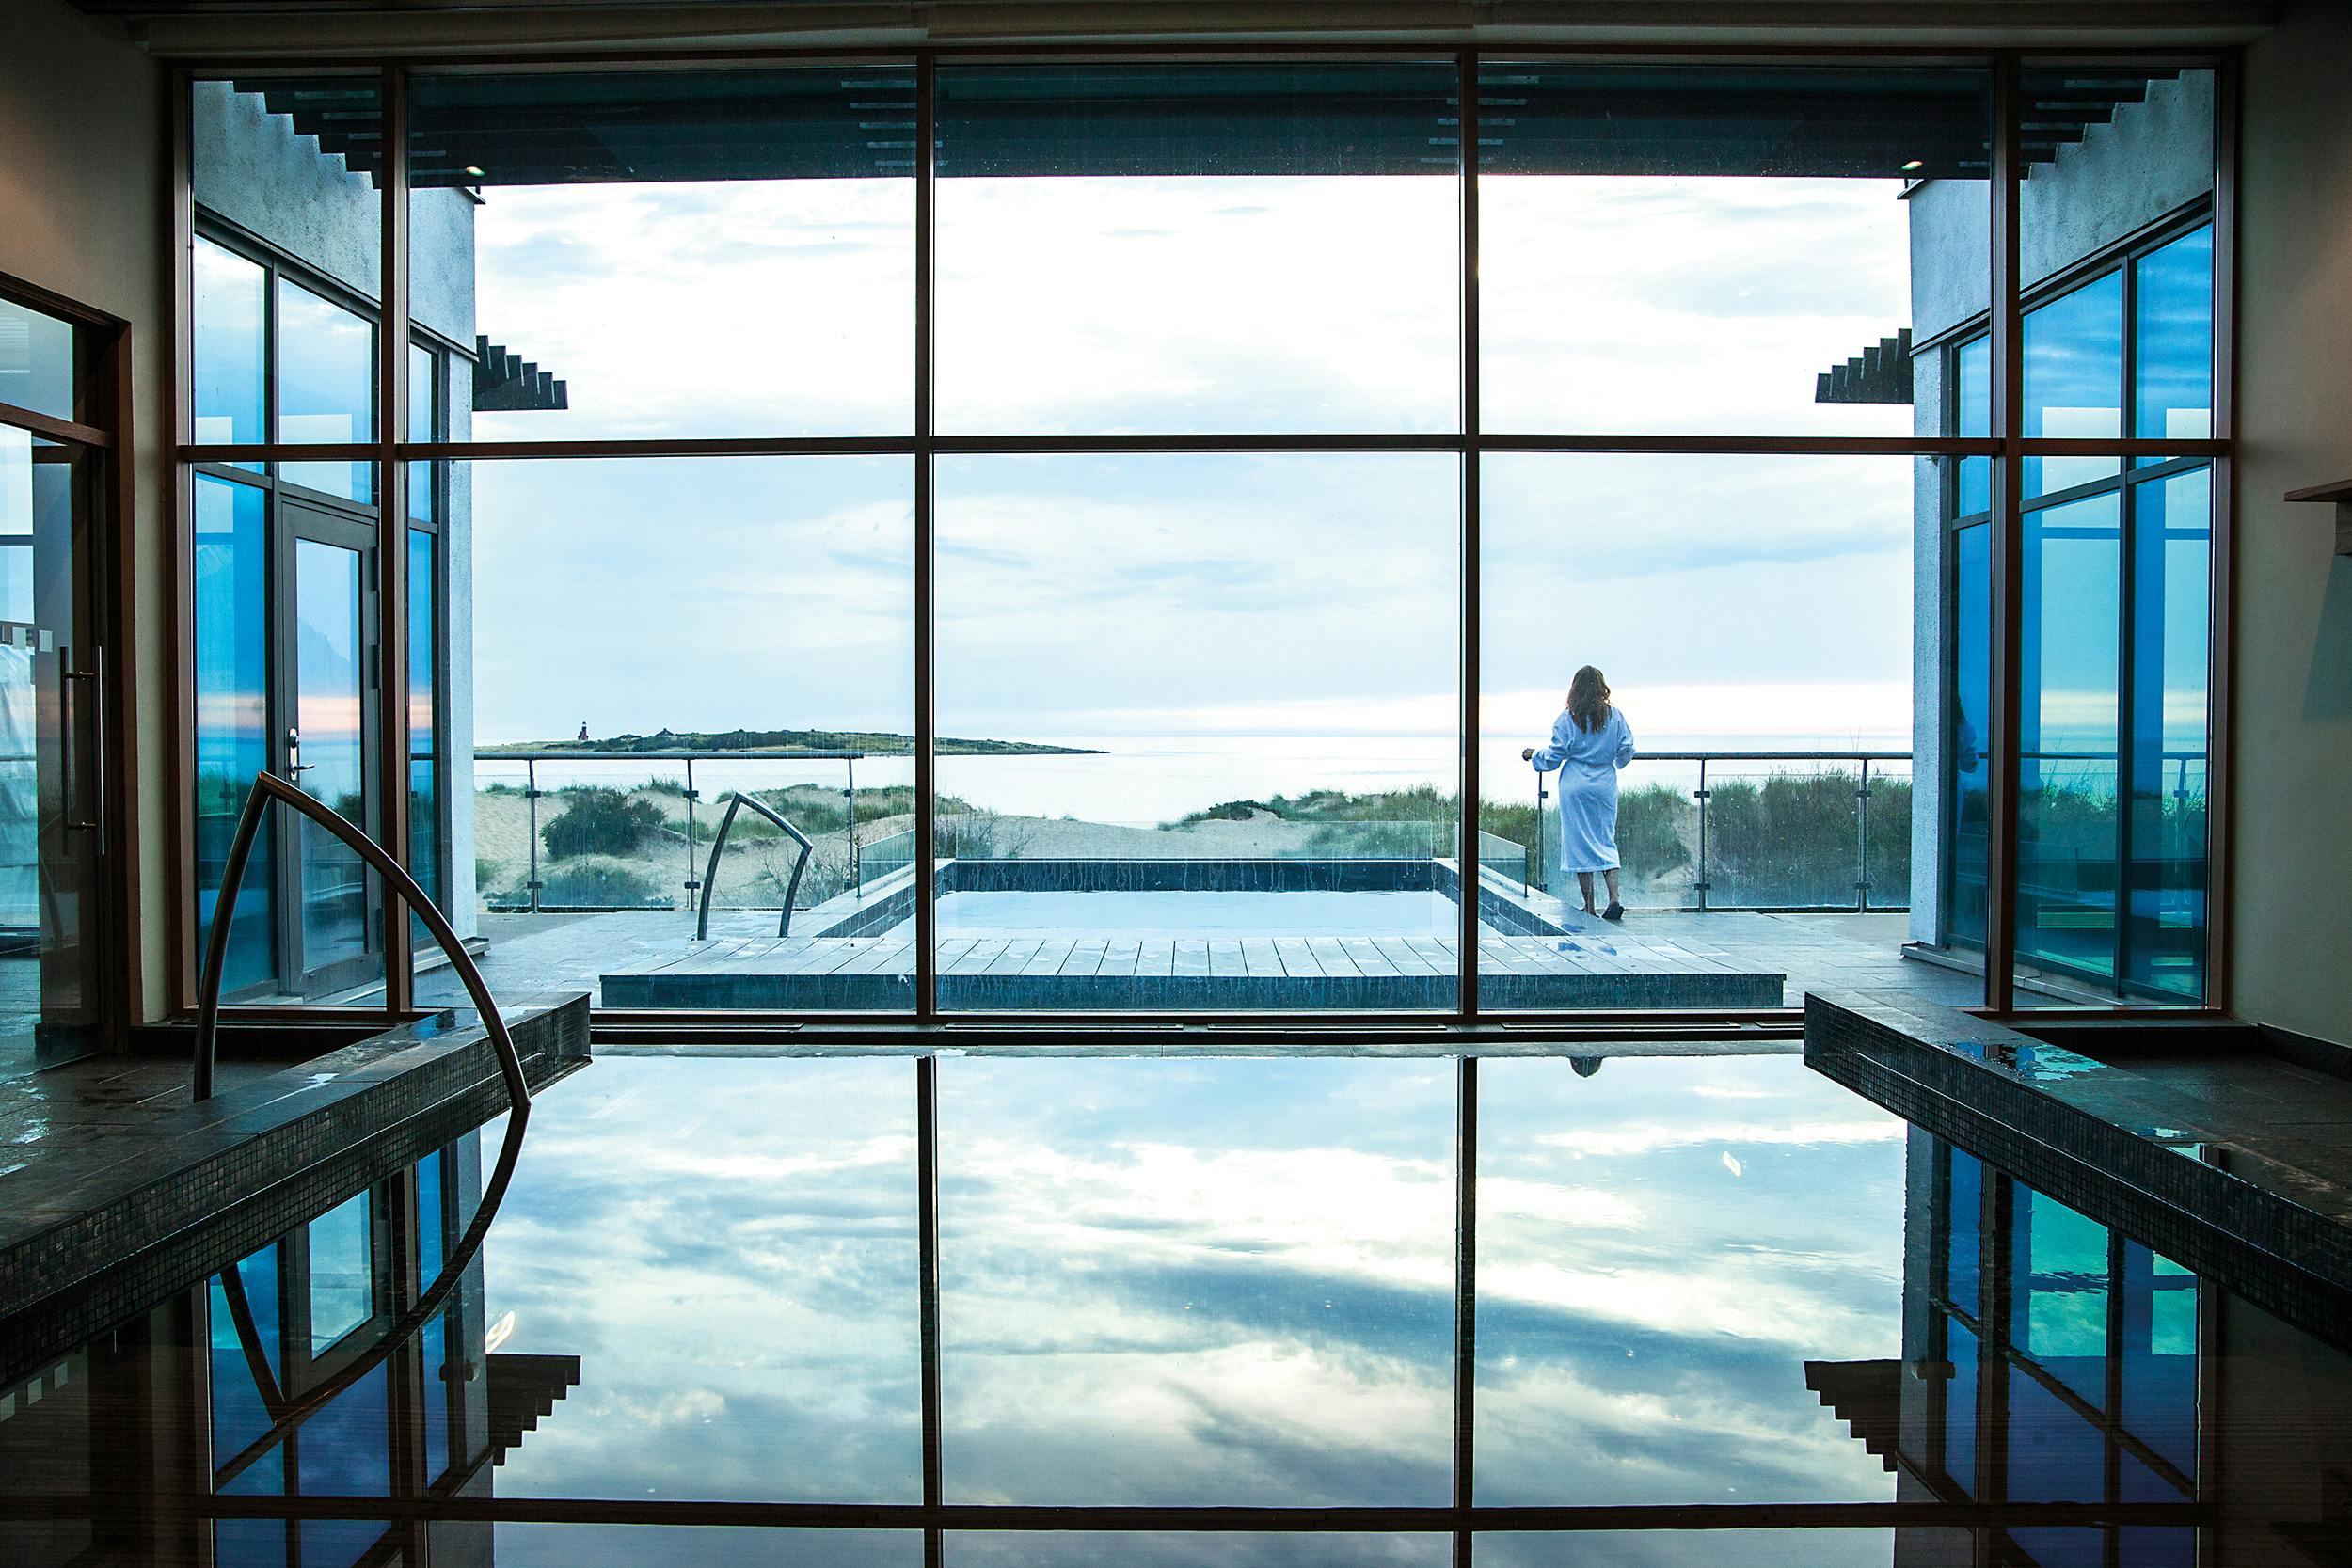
{"x": 285, "y": 1414}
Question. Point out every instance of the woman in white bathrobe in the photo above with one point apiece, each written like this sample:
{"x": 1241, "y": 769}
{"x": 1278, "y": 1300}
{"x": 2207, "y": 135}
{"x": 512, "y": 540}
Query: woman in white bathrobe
{"x": 1590, "y": 742}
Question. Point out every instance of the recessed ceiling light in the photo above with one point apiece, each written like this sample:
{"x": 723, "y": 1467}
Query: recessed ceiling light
{"x": 477, "y": 173}
{"x": 1907, "y": 168}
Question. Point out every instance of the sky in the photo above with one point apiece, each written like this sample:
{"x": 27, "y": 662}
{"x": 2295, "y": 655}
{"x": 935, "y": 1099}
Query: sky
{"x": 1155, "y": 595}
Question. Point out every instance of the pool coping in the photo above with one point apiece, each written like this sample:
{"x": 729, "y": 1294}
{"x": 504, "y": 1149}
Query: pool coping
{"x": 91, "y": 1236}
{"x": 2001, "y": 1095}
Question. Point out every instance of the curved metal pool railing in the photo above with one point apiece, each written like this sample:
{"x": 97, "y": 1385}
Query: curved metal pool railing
{"x": 737, "y": 800}
{"x": 268, "y": 787}
{"x": 288, "y": 1414}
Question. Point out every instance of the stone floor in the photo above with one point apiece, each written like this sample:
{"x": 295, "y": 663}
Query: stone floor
{"x": 1817, "y": 952}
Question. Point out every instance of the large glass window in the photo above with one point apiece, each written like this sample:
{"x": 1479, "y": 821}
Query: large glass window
{"x": 2173, "y": 339}
{"x": 682, "y": 253}
{"x": 2075, "y": 381}
{"x": 424, "y": 654}
{"x": 1192, "y": 496}
{"x": 1697, "y": 249}
{"x": 651, "y": 640}
{"x": 425, "y": 424}
{"x": 2118, "y": 275}
{"x": 1197, "y": 248}
{"x": 326, "y": 387}
{"x": 2067, "y": 895}
{"x": 1752, "y": 775}
{"x": 232, "y": 743}
{"x": 2169, "y": 754}
{"x": 232, "y": 365}
{"x": 1967, "y": 739}
{"x": 1203, "y": 713}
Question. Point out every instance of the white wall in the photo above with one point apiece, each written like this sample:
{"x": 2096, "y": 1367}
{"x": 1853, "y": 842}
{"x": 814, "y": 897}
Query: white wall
{"x": 84, "y": 212}
{"x": 2292, "y": 814}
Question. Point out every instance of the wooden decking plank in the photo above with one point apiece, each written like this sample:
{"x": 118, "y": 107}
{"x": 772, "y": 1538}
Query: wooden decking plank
{"x": 1298, "y": 960}
{"x": 978, "y": 957}
{"x": 884, "y": 954}
{"x": 1434, "y": 952}
{"x": 1225, "y": 959}
{"x": 1050, "y": 955}
{"x": 818, "y": 959}
{"x": 1401, "y": 955}
{"x": 1332, "y": 957}
{"x": 1016, "y": 955}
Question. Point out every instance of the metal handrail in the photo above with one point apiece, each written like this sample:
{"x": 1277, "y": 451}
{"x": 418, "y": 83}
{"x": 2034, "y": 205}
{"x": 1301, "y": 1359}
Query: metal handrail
{"x": 287, "y": 1414}
{"x": 268, "y": 787}
{"x": 737, "y": 800}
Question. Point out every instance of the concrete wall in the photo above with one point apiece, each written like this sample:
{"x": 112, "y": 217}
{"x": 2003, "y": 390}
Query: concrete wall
{"x": 2291, "y": 817}
{"x": 2153, "y": 158}
{"x": 253, "y": 169}
{"x": 84, "y": 212}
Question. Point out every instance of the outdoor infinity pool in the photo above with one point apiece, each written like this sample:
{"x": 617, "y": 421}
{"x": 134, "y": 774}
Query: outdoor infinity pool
{"x": 1710, "y": 1291}
{"x": 1189, "y": 914}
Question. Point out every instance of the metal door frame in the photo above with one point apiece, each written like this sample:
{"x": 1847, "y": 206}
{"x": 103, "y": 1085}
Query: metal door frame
{"x": 294, "y": 518}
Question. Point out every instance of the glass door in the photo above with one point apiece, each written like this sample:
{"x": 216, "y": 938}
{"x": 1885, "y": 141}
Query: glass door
{"x": 50, "y": 801}
{"x": 329, "y": 910}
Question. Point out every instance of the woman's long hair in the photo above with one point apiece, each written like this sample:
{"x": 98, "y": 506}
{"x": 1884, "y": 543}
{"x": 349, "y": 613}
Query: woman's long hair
{"x": 1588, "y": 700}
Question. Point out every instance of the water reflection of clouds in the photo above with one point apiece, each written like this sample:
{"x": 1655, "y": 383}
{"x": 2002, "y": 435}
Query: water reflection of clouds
{"x": 1206, "y": 1281}
{"x": 729, "y": 1248}
{"x": 1191, "y": 1282}
{"x": 1659, "y": 1358}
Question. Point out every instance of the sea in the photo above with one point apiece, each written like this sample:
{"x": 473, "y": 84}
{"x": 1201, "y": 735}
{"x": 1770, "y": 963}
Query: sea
{"x": 1145, "y": 779}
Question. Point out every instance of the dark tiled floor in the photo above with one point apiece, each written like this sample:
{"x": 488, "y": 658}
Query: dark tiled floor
{"x": 2273, "y": 1123}
{"x": 81, "y": 1103}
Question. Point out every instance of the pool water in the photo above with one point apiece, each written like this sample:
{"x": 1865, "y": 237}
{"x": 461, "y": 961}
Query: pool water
{"x": 1716, "y": 1282}
{"x": 1197, "y": 915}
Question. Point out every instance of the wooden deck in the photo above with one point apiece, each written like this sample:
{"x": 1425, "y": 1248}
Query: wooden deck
{"x": 1062, "y": 973}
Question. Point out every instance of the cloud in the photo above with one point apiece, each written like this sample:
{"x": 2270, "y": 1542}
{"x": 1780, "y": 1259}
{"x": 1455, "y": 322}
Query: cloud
{"x": 1075, "y": 587}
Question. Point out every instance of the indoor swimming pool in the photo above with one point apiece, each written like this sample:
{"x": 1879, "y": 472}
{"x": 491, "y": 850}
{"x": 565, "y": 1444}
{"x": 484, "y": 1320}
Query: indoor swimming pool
{"x": 1314, "y": 1309}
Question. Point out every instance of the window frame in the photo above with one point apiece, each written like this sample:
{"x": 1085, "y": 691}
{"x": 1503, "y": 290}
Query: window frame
{"x": 2004, "y": 446}
{"x": 2121, "y": 258}
{"x": 103, "y": 431}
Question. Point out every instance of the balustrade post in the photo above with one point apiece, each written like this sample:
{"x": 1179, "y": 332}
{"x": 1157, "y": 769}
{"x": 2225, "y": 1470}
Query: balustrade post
{"x": 531, "y": 800}
{"x": 693, "y": 884}
{"x": 857, "y": 870}
{"x": 1862, "y": 842}
{"x": 1701, "y": 794}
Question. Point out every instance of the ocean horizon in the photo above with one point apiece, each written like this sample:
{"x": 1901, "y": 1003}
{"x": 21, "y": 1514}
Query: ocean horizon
{"x": 1147, "y": 780}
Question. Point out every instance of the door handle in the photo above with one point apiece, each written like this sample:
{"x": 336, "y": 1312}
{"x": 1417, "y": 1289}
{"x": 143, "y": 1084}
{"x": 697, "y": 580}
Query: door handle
{"x": 294, "y": 754}
{"x": 69, "y": 758}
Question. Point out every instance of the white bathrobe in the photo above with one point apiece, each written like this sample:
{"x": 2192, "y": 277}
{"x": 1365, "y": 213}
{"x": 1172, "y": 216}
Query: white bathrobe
{"x": 1588, "y": 761}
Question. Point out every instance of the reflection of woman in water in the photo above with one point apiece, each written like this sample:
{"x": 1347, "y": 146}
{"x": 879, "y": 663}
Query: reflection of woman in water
{"x": 1590, "y": 741}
